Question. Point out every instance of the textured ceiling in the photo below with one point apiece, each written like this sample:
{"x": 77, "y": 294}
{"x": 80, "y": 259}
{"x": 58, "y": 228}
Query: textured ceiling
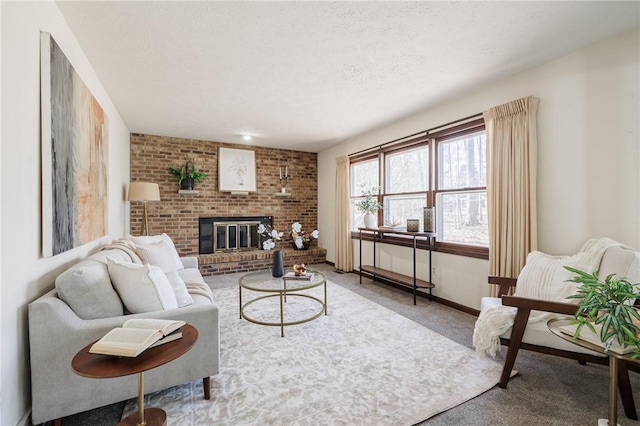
{"x": 306, "y": 75}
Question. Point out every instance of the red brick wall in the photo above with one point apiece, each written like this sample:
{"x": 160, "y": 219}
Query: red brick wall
{"x": 177, "y": 215}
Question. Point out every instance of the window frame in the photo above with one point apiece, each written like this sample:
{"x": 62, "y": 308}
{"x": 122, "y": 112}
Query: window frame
{"x": 382, "y": 175}
{"x": 431, "y": 139}
{"x": 448, "y": 247}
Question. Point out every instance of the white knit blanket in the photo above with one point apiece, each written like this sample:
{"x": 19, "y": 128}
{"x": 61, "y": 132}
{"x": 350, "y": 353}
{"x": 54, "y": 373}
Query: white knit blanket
{"x": 545, "y": 278}
{"x": 200, "y": 288}
{"x": 126, "y": 246}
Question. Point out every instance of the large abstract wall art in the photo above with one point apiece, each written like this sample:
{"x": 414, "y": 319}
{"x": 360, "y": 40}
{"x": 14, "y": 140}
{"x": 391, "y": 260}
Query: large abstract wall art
{"x": 74, "y": 155}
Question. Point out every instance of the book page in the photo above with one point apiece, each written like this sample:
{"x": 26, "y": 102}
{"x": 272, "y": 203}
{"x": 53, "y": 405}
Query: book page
{"x": 125, "y": 337}
{"x": 164, "y": 326}
{"x": 125, "y": 342}
{"x": 168, "y": 338}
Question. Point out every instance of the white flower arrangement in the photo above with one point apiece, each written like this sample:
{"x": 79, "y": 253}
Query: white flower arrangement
{"x": 300, "y": 240}
{"x": 271, "y": 234}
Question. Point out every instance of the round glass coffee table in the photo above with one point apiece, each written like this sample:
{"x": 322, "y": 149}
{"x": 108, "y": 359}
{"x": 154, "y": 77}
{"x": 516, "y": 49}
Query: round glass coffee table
{"x": 264, "y": 282}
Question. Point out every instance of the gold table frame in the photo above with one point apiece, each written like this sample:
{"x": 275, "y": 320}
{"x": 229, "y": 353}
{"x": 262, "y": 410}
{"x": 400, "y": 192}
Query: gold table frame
{"x": 614, "y": 359}
{"x": 264, "y": 282}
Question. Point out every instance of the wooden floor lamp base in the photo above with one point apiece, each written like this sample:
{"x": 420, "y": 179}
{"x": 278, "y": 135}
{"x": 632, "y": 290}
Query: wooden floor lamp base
{"x": 152, "y": 417}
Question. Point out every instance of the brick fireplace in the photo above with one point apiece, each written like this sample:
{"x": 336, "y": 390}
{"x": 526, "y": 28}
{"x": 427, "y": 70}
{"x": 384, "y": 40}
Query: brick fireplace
{"x": 179, "y": 215}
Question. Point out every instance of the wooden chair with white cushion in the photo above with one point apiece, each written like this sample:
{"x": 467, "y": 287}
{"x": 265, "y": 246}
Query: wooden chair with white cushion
{"x": 520, "y": 321}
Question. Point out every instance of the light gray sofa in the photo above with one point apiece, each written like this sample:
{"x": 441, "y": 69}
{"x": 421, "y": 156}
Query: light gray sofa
{"x": 57, "y": 333}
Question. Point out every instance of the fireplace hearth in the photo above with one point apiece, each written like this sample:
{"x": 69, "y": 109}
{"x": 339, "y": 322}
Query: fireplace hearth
{"x": 228, "y": 234}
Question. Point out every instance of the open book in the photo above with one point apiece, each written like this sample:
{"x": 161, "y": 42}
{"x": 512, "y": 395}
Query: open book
{"x": 136, "y": 335}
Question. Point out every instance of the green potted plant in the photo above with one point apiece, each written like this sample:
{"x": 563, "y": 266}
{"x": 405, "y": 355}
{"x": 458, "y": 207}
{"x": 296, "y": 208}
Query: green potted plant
{"x": 187, "y": 175}
{"x": 369, "y": 206}
{"x": 608, "y": 303}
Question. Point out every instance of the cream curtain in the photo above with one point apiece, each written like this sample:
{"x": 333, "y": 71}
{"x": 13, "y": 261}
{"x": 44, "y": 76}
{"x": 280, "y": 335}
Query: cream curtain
{"x": 511, "y": 185}
{"x": 344, "y": 253}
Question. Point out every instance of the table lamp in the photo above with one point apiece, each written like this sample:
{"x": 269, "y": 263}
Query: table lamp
{"x": 144, "y": 191}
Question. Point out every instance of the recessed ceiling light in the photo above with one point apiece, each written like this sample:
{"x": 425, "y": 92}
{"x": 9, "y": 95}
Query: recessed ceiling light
{"x": 246, "y": 137}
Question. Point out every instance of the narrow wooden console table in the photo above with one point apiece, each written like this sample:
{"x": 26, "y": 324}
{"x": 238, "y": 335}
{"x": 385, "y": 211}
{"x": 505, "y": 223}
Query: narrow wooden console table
{"x": 406, "y": 280}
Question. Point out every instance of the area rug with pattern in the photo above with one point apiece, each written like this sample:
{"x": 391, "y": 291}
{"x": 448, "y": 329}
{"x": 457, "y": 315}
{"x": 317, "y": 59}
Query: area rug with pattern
{"x": 359, "y": 364}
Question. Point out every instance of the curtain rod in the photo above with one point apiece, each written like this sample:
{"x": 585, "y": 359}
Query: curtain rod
{"x": 425, "y": 132}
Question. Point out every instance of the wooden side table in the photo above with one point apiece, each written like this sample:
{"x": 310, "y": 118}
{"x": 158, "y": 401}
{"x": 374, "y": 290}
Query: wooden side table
{"x": 97, "y": 366}
{"x": 614, "y": 372}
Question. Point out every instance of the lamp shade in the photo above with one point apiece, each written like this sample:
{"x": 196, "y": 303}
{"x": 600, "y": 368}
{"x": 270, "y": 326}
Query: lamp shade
{"x": 144, "y": 191}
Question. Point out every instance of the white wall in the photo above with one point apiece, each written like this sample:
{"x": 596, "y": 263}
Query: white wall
{"x": 25, "y": 274}
{"x": 588, "y": 156}
{"x": 1, "y": 91}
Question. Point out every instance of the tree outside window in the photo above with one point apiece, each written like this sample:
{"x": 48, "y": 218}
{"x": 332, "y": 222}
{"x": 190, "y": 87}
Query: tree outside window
{"x": 461, "y": 197}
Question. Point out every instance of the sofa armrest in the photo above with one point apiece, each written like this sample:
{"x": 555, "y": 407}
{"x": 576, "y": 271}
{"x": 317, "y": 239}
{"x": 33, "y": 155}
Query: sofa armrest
{"x": 505, "y": 283}
{"x": 190, "y": 262}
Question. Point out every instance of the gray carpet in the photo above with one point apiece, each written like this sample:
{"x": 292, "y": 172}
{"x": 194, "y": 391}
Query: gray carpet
{"x": 548, "y": 390}
{"x": 350, "y": 367}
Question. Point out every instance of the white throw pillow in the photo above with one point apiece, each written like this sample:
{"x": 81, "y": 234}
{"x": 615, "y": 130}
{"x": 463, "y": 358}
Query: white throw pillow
{"x": 142, "y": 288}
{"x": 159, "y": 254}
{"x": 179, "y": 289}
{"x": 544, "y": 277}
{"x": 148, "y": 246}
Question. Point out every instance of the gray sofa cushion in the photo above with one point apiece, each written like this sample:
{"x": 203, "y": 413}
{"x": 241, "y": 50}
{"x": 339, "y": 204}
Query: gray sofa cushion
{"x": 86, "y": 288}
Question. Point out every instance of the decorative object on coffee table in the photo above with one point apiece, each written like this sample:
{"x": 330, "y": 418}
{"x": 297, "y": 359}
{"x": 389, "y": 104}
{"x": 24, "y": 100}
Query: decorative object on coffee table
{"x": 429, "y": 219}
{"x": 299, "y": 269}
{"x": 144, "y": 191}
{"x": 277, "y": 268}
{"x": 271, "y": 236}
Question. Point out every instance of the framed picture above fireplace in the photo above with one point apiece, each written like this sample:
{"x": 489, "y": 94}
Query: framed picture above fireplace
{"x": 237, "y": 170}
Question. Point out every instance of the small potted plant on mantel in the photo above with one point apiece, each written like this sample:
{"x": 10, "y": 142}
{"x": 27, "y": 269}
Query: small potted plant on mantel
{"x": 609, "y": 305}
{"x": 369, "y": 206}
{"x": 187, "y": 175}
